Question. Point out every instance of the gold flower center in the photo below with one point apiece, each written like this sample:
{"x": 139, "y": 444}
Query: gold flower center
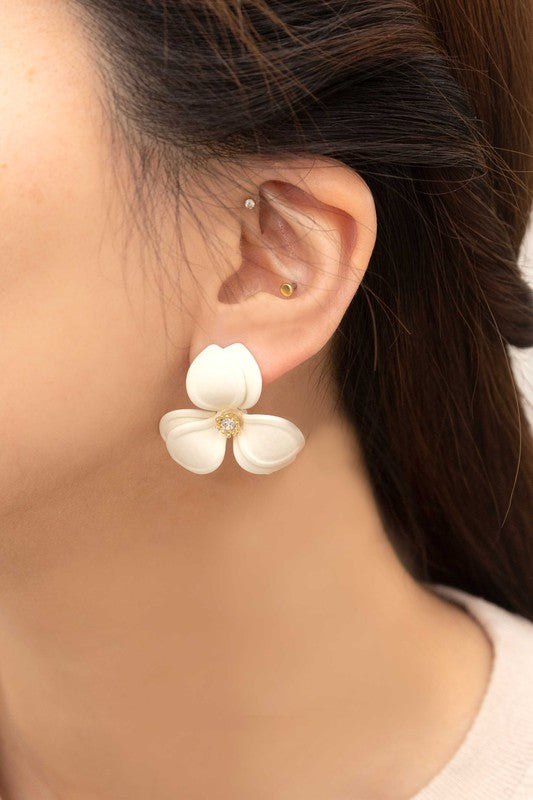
{"x": 228, "y": 422}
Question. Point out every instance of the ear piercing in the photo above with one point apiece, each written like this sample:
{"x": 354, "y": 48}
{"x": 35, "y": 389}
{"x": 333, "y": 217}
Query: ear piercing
{"x": 287, "y": 288}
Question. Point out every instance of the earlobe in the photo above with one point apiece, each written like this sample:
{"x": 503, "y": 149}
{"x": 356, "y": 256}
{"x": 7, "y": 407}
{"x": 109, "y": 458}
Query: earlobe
{"x": 313, "y": 226}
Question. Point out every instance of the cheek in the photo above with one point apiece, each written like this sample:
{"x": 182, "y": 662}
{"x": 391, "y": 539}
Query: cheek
{"x": 82, "y": 342}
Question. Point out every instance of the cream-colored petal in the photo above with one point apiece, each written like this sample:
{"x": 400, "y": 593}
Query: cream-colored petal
{"x": 251, "y": 371}
{"x": 197, "y": 445}
{"x": 215, "y": 379}
{"x": 267, "y": 443}
{"x": 173, "y": 418}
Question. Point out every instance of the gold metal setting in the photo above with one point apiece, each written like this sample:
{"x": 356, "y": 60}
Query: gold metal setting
{"x": 228, "y": 422}
{"x": 287, "y": 289}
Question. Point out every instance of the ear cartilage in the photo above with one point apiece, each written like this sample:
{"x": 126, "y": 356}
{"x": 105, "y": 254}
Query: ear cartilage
{"x": 287, "y": 289}
{"x": 249, "y": 202}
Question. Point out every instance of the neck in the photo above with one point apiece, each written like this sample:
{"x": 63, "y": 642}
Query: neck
{"x": 171, "y": 641}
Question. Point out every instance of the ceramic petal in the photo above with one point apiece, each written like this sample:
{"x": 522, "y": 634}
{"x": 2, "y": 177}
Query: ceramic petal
{"x": 173, "y": 418}
{"x": 250, "y": 369}
{"x": 196, "y": 444}
{"x": 215, "y": 379}
{"x": 267, "y": 443}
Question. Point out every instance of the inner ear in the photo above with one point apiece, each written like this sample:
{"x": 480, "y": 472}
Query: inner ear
{"x": 290, "y": 237}
{"x": 271, "y": 253}
{"x": 339, "y": 220}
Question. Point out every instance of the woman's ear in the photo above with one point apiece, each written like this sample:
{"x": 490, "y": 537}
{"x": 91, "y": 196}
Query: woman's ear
{"x": 313, "y": 224}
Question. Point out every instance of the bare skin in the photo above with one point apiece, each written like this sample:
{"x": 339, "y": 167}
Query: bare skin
{"x": 164, "y": 634}
{"x": 176, "y": 647}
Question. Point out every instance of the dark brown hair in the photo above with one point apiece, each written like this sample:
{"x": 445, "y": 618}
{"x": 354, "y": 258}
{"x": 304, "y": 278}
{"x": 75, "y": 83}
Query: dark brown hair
{"x": 430, "y": 101}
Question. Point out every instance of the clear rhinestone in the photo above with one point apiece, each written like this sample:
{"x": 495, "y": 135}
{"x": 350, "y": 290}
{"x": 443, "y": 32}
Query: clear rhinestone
{"x": 249, "y": 202}
{"x": 228, "y": 422}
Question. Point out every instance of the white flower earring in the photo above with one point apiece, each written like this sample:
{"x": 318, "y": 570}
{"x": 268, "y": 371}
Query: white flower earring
{"x": 224, "y": 382}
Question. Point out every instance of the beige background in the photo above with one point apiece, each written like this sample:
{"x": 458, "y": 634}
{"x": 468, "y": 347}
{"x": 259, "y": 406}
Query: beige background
{"x": 523, "y": 359}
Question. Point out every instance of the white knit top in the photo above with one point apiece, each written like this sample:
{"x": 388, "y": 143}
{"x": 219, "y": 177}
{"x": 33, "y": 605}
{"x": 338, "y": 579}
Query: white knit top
{"x": 495, "y": 759}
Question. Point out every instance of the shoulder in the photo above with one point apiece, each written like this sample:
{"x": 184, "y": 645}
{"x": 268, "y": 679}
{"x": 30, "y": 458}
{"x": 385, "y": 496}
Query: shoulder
{"x": 512, "y": 639}
{"x": 496, "y": 757}
{"x": 511, "y": 634}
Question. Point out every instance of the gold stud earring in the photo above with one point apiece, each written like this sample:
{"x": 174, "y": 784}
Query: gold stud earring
{"x": 287, "y": 289}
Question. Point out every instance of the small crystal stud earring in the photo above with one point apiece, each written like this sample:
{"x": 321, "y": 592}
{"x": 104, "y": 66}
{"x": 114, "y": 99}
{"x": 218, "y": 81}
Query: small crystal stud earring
{"x": 249, "y": 202}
